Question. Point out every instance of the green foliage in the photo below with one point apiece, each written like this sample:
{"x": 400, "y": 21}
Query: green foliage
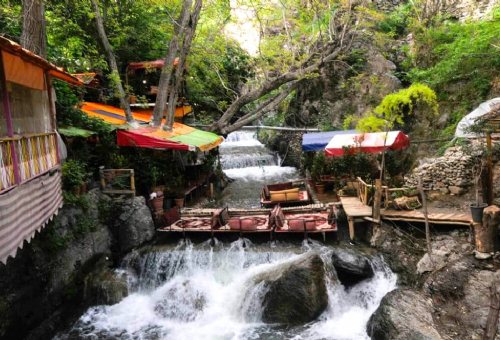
{"x": 80, "y": 201}
{"x": 396, "y": 22}
{"x": 396, "y": 111}
{"x": 10, "y": 15}
{"x": 456, "y": 52}
{"x": 73, "y": 173}
{"x": 350, "y": 165}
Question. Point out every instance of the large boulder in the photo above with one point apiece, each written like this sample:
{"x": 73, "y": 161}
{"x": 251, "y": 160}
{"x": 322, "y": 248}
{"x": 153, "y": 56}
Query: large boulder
{"x": 351, "y": 266}
{"x": 135, "y": 224}
{"x": 295, "y": 292}
{"x": 104, "y": 285}
{"x": 403, "y": 314}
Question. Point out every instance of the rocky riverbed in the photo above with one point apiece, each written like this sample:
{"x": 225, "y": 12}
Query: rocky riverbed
{"x": 443, "y": 296}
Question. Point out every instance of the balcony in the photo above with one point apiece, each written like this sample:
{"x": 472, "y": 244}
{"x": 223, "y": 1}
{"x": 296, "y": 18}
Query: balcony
{"x": 23, "y": 158}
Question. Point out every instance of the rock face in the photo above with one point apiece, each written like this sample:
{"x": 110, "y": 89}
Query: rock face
{"x": 351, "y": 267}
{"x": 295, "y": 293}
{"x": 42, "y": 286}
{"x": 403, "y": 314}
{"x": 445, "y": 249}
{"x": 135, "y": 224}
{"x": 464, "y": 286}
{"x": 104, "y": 286}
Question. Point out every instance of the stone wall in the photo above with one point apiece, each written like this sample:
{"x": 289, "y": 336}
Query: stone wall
{"x": 452, "y": 173}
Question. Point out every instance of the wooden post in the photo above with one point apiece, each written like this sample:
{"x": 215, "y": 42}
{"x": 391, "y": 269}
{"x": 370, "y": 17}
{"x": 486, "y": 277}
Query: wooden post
{"x": 491, "y": 323}
{"x": 132, "y": 181}
{"x": 8, "y": 121}
{"x": 426, "y": 218}
{"x": 211, "y": 190}
{"x": 352, "y": 233}
{"x": 489, "y": 192}
{"x": 101, "y": 175}
{"x": 377, "y": 200}
{"x": 485, "y": 233}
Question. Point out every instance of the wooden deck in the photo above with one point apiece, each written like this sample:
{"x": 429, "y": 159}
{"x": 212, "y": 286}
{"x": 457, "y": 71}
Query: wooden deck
{"x": 356, "y": 211}
{"x": 435, "y": 216}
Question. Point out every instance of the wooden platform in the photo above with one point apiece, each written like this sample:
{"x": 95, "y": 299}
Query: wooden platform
{"x": 353, "y": 207}
{"x": 356, "y": 211}
{"x": 435, "y": 216}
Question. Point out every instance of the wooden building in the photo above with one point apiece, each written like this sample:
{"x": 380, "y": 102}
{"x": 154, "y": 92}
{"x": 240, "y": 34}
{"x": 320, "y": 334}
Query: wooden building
{"x": 30, "y": 174}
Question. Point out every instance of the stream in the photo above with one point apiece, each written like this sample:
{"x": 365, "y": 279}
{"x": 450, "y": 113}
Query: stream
{"x": 203, "y": 291}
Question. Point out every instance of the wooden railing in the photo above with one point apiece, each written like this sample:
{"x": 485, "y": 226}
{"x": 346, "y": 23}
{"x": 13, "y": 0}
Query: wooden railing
{"x": 365, "y": 191}
{"x": 29, "y": 155}
{"x": 7, "y": 177}
{"x": 117, "y": 181}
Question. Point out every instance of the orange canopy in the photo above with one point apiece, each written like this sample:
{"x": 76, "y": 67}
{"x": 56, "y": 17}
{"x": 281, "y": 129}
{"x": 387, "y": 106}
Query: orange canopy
{"x": 26, "y": 68}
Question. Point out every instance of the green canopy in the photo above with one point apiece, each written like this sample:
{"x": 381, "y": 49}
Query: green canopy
{"x": 72, "y": 131}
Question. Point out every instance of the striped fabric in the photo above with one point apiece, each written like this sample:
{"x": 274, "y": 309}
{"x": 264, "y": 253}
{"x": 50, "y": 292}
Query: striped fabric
{"x": 26, "y": 209}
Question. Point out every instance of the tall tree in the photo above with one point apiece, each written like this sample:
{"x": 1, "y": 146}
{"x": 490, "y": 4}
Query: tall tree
{"x": 33, "y": 36}
{"x": 115, "y": 75}
{"x": 188, "y": 35}
{"x": 166, "y": 72}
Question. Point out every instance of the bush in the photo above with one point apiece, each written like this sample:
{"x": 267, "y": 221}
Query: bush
{"x": 73, "y": 173}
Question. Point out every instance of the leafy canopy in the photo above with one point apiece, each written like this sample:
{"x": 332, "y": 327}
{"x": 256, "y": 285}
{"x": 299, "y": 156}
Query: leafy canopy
{"x": 396, "y": 109}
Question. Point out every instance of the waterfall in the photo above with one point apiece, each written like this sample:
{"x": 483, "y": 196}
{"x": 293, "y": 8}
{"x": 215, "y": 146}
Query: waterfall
{"x": 194, "y": 292}
{"x": 252, "y": 165}
{"x": 242, "y": 150}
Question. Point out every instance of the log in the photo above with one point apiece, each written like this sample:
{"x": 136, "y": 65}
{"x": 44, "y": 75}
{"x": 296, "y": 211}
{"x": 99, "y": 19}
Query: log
{"x": 491, "y": 323}
{"x": 485, "y": 232}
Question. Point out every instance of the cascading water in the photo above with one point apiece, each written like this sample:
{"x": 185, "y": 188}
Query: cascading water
{"x": 251, "y": 165}
{"x": 208, "y": 292}
{"x": 204, "y": 292}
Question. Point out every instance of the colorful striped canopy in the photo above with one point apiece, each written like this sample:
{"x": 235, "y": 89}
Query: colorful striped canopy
{"x": 366, "y": 142}
{"x": 182, "y": 137}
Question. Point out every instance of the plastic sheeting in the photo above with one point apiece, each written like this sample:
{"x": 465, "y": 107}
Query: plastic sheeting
{"x": 317, "y": 141}
{"x": 366, "y": 142}
{"x": 469, "y": 120}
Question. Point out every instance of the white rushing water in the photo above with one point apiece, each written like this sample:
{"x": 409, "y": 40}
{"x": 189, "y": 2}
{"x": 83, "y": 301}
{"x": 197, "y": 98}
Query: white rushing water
{"x": 252, "y": 165}
{"x": 202, "y": 292}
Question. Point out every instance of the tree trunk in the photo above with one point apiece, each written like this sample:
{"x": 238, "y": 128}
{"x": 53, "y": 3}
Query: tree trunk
{"x": 188, "y": 35}
{"x": 485, "y": 233}
{"x": 115, "y": 75}
{"x": 166, "y": 71}
{"x": 273, "y": 84}
{"x": 33, "y": 36}
{"x": 267, "y": 106}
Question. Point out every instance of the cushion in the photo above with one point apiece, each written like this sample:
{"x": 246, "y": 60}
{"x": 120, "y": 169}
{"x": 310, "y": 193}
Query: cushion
{"x": 234, "y": 223}
{"x": 220, "y": 218}
{"x": 285, "y": 195}
{"x": 280, "y": 218}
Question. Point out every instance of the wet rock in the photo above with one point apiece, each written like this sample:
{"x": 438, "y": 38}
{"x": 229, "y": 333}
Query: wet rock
{"x": 351, "y": 266}
{"x": 403, "y": 314}
{"x": 295, "y": 292}
{"x": 105, "y": 286}
{"x": 135, "y": 225}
